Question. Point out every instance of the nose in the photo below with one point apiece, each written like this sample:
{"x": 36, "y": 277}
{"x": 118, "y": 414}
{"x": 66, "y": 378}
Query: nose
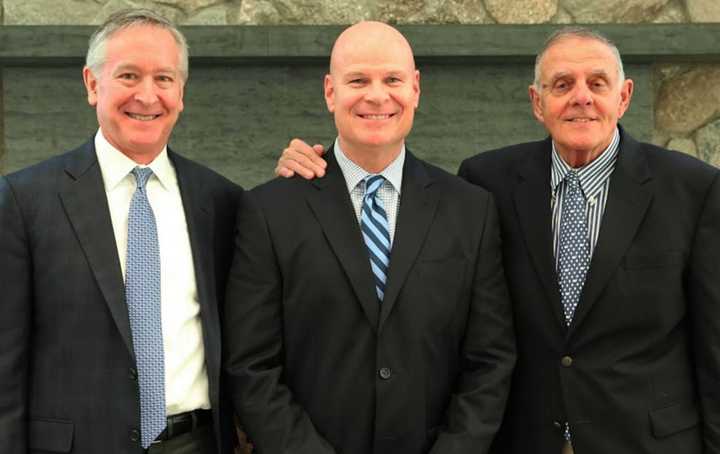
{"x": 377, "y": 93}
{"x": 582, "y": 95}
{"x": 146, "y": 92}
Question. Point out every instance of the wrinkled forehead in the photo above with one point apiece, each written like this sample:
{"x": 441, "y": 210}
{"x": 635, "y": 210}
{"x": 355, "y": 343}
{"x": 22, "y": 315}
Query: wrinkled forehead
{"x": 574, "y": 55}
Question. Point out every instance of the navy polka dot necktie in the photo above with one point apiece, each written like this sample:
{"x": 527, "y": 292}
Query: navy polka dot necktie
{"x": 574, "y": 252}
{"x": 142, "y": 290}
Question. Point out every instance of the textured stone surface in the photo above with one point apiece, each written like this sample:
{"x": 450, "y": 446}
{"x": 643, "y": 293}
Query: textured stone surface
{"x": 521, "y": 11}
{"x": 688, "y": 100}
{"x": 432, "y": 12}
{"x": 167, "y": 9}
{"x": 309, "y": 12}
{"x": 673, "y": 13}
{"x": 708, "y": 143}
{"x": 621, "y": 11}
{"x": 704, "y": 10}
{"x": 687, "y": 146}
{"x": 562, "y": 17}
{"x": 212, "y": 15}
{"x": 50, "y": 12}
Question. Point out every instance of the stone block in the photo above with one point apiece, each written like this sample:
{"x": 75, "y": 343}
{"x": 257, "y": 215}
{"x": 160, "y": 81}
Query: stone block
{"x": 688, "y": 100}
{"x": 708, "y": 143}
{"x": 522, "y": 11}
{"x": 170, "y": 10}
{"x": 213, "y": 15}
{"x": 703, "y": 10}
{"x": 433, "y": 12}
{"x": 308, "y": 12}
{"x": 51, "y": 12}
{"x": 620, "y": 11}
{"x": 685, "y": 145}
{"x": 673, "y": 13}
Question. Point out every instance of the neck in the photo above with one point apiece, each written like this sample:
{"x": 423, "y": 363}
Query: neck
{"x": 371, "y": 159}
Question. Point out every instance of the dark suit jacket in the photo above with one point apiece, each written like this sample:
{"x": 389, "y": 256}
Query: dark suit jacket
{"x": 638, "y": 371}
{"x": 67, "y": 381}
{"x": 317, "y": 365}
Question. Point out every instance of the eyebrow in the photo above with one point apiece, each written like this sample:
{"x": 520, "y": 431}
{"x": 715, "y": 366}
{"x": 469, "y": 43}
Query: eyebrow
{"x": 593, "y": 73}
{"x": 131, "y": 67}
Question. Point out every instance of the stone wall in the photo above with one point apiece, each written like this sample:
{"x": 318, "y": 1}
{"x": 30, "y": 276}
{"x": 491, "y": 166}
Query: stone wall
{"x": 687, "y": 97}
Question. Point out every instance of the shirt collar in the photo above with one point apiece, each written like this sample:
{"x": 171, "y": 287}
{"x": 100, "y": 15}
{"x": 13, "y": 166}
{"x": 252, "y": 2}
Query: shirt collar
{"x": 593, "y": 175}
{"x": 116, "y": 166}
{"x": 354, "y": 174}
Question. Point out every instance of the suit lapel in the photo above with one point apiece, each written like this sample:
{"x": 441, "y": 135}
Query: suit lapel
{"x": 83, "y": 197}
{"x": 417, "y": 209}
{"x": 627, "y": 202}
{"x": 200, "y": 221}
{"x": 532, "y": 203}
{"x": 331, "y": 204}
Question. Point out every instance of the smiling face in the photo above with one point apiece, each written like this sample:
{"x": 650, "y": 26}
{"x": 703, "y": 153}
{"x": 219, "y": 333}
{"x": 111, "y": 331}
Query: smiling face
{"x": 373, "y": 90}
{"x": 581, "y": 97}
{"x": 138, "y": 93}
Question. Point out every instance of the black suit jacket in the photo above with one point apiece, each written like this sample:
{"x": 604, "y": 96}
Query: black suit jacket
{"x": 317, "y": 365}
{"x": 67, "y": 381}
{"x": 638, "y": 371}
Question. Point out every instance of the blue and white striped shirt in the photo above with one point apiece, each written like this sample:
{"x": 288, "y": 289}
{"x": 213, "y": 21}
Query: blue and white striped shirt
{"x": 594, "y": 182}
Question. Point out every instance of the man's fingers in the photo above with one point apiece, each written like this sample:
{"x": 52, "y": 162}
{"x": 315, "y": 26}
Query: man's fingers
{"x": 301, "y": 164}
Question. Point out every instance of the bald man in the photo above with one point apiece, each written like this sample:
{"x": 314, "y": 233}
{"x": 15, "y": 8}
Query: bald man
{"x": 367, "y": 311}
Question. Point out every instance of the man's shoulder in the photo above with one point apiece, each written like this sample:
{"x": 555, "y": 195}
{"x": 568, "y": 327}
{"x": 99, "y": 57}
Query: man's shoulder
{"x": 46, "y": 173}
{"x": 201, "y": 174}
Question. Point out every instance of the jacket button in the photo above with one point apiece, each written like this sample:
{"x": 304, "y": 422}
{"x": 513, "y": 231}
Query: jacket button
{"x": 133, "y": 374}
{"x": 134, "y": 435}
{"x": 385, "y": 373}
{"x": 566, "y": 361}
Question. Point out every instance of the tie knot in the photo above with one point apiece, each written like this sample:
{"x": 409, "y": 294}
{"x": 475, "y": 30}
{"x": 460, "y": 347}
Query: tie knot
{"x": 573, "y": 181}
{"x": 372, "y": 184}
{"x": 142, "y": 174}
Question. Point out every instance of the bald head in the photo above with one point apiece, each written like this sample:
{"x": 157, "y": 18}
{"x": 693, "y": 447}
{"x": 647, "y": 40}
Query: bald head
{"x": 365, "y": 39}
{"x": 372, "y": 90}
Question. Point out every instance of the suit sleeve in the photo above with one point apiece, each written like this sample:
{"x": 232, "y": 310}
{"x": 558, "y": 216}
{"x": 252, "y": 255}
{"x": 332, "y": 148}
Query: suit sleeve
{"x": 15, "y": 306}
{"x": 478, "y": 403}
{"x": 253, "y": 343}
{"x": 703, "y": 287}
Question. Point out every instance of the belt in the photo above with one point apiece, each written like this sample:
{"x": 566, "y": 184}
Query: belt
{"x": 183, "y": 423}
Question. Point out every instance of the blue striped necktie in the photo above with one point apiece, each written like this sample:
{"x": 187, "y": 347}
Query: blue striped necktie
{"x": 142, "y": 290}
{"x": 375, "y": 230}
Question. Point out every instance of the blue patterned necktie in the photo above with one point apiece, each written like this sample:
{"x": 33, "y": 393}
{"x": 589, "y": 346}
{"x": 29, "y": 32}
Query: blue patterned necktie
{"x": 142, "y": 290}
{"x": 574, "y": 253}
{"x": 375, "y": 230}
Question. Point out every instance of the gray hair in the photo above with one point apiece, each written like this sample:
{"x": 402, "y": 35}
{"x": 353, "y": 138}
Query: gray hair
{"x": 576, "y": 32}
{"x": 121, "y": 20}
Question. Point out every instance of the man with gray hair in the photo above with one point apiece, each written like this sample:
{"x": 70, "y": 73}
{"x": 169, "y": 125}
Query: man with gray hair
{"x": 113, "y": 260}
{"x": 611, "y": 250}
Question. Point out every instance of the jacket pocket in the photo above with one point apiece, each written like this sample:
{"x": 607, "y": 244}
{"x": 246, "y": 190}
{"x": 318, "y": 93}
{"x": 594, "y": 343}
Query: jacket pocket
{"x": 669, "y": 420}
{"x": 52, "y": 435}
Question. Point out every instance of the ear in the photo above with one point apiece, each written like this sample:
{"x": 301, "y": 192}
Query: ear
{"x": 416, "y": 88}
{"x": 329, "y": 93}
{"x": 536, "y": 102}
{"x": 626, "y": 91}
{"x": 91, "y": 84}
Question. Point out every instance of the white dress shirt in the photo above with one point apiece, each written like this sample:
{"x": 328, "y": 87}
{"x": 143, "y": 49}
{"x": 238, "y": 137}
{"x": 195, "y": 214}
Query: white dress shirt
{"x": 186, "y": 382}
